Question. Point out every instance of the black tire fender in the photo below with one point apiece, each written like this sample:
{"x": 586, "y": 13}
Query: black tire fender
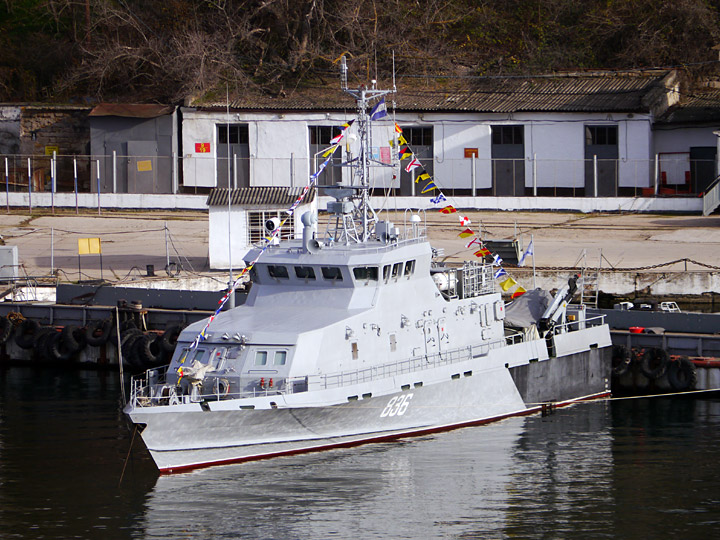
{"x": 6, "y": 328}
{"x": 26, "y": 333}
{"x": 654, "y": 362}
{"x": 73, "y": 338}
{"x": 168, "y": 340}
{"x": 98, "y": 332}
{"x": 621, "y": 360}
{"x": 682, "y": 374}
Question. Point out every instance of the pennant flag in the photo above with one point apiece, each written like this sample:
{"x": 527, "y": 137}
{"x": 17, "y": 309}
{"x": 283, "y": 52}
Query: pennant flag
{"x": 497, "y": 260}
{"x": 429, "y": 187}
{"x": 437, "y": 200}
{"x": 507, "y": 284}
{"x": 466, "y": 233}
{"x": 336, "y": 138}
{"x": 448, "y": 210}
{"x": 398, "y": 129}
{"x": 528, "y": 251}
{"x": 379, "y": 110}
{"x": 423, "y": 176}
{"x": 330, "y": 150}
{"x": 405, "y": 152}
{"x": 414, "y": 164}
{"x": 474, "y": 241}
{"x": 464, "y": 221}
{"x": 500, "y": 273}
{"x": 518, "y": 292}
{"x": 482, "y": 252}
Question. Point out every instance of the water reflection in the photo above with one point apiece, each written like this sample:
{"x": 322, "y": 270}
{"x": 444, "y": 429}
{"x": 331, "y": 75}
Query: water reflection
{"x": 628, "y": 469}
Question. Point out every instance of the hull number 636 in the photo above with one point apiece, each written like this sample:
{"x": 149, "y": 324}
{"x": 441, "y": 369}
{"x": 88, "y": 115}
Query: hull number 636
{"x": 396, "y": 406}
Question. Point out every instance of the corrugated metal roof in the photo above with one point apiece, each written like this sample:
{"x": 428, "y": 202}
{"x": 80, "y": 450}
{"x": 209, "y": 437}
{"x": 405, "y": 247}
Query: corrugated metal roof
{"x": 701, "y": 105}
{"x": 560, "y": 93}
{"x": 283, "y": 197}
{"x": 132, "y": 110}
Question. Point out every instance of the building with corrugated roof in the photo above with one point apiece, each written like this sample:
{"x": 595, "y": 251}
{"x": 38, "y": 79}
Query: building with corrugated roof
{"x": 581, "y": 134}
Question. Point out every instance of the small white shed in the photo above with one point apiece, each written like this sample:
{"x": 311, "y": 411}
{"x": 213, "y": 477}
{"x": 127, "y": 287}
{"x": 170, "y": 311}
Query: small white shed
{"x": 249, "y": 209}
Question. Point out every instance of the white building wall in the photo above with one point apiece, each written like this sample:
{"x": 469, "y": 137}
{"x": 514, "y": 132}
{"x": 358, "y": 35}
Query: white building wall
{"x": 279, "y": 147}
{"x": 682, "y": 139}
{"x": 636, "y": 166}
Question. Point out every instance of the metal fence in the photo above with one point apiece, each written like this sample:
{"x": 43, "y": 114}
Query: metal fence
{"x": 456, "y": 177}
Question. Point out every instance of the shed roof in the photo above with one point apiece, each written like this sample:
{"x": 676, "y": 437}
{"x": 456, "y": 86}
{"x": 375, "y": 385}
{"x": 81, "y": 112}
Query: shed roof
{"x": 258, "y": 196}
{"x": 572, "y": 92}
{"x": 132, "y": 110}
{"x": 702, "y": 105}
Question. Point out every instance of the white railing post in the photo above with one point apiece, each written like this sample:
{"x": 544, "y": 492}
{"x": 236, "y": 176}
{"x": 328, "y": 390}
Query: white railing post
{"x": 473, "y": 187}
{"x": 657, "y": 174}
{"x": 534, "y": 175}
{"x": 114, "y": 175}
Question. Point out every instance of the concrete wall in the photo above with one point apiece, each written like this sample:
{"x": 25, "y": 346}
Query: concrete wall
{"x": 9, "y": 129}
{"x": 689, "y": 205}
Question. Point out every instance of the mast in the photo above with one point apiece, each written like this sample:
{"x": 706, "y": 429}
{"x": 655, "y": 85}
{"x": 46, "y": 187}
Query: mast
{"x": 363, "y": 97}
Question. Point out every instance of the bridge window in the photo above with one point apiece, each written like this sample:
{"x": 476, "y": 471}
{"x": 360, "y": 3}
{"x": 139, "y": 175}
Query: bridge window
{"x": 332, "y": 273}
{"x": 397, "y": 269}
{"x": 261, "y": 358}
{"x": 386, "y": 272}
{"x": 305, "y": 272}
{"x": 366, "y": 273}
{"x": 278, "y": 271}
{"x": 280, "y": 358}
{"x": 409, "y": 268}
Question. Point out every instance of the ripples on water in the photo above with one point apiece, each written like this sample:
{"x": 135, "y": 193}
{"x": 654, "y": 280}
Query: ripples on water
{"x": 631, "y": 469}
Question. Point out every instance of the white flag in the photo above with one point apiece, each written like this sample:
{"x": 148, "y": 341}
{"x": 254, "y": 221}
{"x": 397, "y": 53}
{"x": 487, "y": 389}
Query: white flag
{"x": 528, "y": 251}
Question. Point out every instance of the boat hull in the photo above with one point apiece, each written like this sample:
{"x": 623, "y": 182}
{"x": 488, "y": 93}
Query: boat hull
{"x": 470, "y": 394}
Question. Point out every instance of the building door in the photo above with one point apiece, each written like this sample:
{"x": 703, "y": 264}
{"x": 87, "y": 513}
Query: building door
{"x": 601, "y": 141}
{"x": 420, "y": 141}
{"x": 319, "y": 142}
{"x": 141, "y": 166}
{"x": 508, "y": 161}
{"x": 702, "y": 167}
{"x": 238, "y": 148}
{"x": 120, "y": 172}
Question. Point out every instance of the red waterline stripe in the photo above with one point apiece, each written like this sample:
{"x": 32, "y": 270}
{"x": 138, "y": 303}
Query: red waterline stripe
{"x": 382, "y": 438}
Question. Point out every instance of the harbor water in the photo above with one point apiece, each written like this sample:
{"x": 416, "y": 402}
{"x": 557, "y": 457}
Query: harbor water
{"x": 637, "y": 468}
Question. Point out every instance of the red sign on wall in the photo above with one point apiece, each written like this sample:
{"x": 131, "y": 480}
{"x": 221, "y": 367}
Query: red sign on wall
{"x": 202, "y": 147}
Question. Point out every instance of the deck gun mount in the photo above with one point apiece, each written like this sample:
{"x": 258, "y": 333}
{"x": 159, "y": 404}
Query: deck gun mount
{"x": 556, "y": 310}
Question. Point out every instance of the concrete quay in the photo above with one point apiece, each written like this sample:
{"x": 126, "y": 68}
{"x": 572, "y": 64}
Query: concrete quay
{"x": 660, "y": 254}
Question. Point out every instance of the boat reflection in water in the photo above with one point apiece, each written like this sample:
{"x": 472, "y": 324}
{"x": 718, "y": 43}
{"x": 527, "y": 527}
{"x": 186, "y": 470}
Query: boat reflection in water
{"x": 515, "y": 478}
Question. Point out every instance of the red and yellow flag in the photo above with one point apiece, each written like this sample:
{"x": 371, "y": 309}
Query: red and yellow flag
{"x": 482, "y": 252}
{"x": 518, "y": 292}
{"x": 448, "y": 210}
{"x": 466, "y": 233}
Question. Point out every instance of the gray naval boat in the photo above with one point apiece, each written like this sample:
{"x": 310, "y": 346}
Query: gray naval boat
{"x": 358, "y": 336}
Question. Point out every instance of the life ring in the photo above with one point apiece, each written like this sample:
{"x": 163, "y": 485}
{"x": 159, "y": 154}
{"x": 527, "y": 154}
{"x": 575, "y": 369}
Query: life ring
{"x": 6, "y": 328}
{"x": 26, "y": 333}
{"x": 621, "y": 360}
{"x": 654, "y": 362}
{"x": 98, "y": 332}
{"x": 682, "y": 374}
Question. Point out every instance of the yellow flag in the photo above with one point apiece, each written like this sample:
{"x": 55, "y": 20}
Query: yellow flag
{"x": 507, "y": 284}
{"x": 402, "y": 140}
{"x": 423, "y": 176}
{"x": 330, "y": 150}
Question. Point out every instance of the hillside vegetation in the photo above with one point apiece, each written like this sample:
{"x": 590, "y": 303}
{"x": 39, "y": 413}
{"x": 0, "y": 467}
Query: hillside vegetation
{"x": 168, "y": 50}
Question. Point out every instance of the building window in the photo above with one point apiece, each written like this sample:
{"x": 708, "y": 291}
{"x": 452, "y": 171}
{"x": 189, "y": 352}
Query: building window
{"x": 507, "y": 134}
{"x": 601, "y": 135}
{"x": 418, "y": 136}
{"x": 238, "y": 134}
{"x": 320, "y": 137}
{"x": 256, "y": 225}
